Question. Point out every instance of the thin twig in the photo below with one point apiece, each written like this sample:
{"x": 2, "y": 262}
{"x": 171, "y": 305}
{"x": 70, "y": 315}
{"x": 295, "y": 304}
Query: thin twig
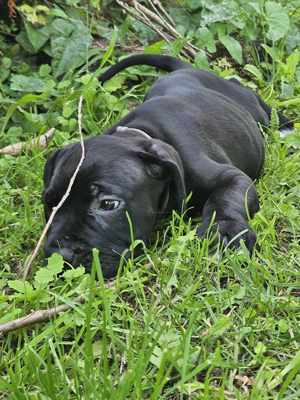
{"x": 166, "y": 25}
{"x": 40, "y": 142}
{"x": 157, "y": 10}
{"x": 158, "y": 21}
{"x": 38, "y": 316}
{"x": 45, "y": 315}
{"x": 163, "y": 10}
{"x": 28, "y": 263}
{"x": 138, "y": 15}
{"x": 156, "y": 18}
{"x": 142, "y": 18}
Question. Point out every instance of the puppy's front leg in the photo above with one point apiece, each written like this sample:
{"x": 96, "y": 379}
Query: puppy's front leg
{"x": 230, "y": 202}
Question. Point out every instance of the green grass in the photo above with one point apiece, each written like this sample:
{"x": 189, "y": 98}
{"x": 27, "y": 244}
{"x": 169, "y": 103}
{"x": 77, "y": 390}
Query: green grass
{"x": 181, "y": 321}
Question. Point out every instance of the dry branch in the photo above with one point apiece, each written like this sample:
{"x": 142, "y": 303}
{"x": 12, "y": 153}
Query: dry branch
{"x": 166, "y": 25}
{"x": 28, "y": 263}
{"x": 17, "y": 148}
{"x": 45, "y": 315}
{"x": 37, "y": 316}
{"x": 144, "y": 19}
{"x": 11, "y": 4}
{"x": 160, "y": 7}
{"x": 158, "y": 20}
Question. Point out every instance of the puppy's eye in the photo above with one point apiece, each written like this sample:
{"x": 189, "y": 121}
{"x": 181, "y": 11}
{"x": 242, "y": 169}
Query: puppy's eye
{"x": 109, "y": 204}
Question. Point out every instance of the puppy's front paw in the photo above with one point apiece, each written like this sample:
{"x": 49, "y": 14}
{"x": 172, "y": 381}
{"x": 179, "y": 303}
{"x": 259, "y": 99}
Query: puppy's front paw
{"x": 231, "y": 232}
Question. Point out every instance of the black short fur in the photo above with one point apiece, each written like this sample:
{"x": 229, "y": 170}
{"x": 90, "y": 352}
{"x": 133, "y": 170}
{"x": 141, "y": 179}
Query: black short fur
{"x": 204, "y": 138}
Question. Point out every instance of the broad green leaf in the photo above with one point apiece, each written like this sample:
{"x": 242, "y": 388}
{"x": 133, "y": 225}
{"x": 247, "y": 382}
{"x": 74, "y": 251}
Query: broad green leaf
{"x": 14, "y": 132}
{"x": 220, "y": 326}
{"x": 240, "y": 292}
{"x": 233, "y": 46}
{"x": 277, "y": 19}
{"x": 201, "y": 60}
{"x": 260, "y": 348}
{"x": 293, "y": 140}
{"x": 43, "y": 277}
{"x": 47, "y": 274}
{"x": 58, "y": 12}
{"x": 70, "y": 41}
{"x": 181, "y": 242}
{"x": 6, "y": 62}
{"x": 287, "y": 89}
{"x": 4, "y": 73}
{"x": 254, "y": 71}
{"x": 292, "y": 63}
{"x": 41, "y": 8}
{"x": 114, "y": 84}
{"x": 55, "y": 263}
{"x": 274, "y": 52}
{"x": 62, "y": 28}
{"x": 37, "y": 37}
{"x": 216, "y": 13}
{"x": 205, "y": 39}
{"x": 295, "y": 102}
{"x": 156, "y": 356}
{"x": 86, "y": 79}
{"x": 44, "y": 70}
{"x": 21, "y": 286}
{"x": 283, "y": 325}
{"x": 63, "y": 84}
{"x": 256, "y": 6}
{"x": 155, "y": 48}
{"x": 193, "y": 4}
{"x": 71, "y": 274}
{"x": 22, "y": 39}
{"x": 23, "y": 83}
{"x": 112, "y": 102}
{"x": 26, "y": 99}
{"x": 36, "y": 14}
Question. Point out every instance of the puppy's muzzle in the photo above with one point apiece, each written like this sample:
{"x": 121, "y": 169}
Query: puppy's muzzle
{"x": 76, "y": 255}
{"x": 71, "y": 251}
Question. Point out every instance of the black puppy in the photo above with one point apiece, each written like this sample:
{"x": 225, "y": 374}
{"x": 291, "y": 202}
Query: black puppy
{"x": 195, "y": 132}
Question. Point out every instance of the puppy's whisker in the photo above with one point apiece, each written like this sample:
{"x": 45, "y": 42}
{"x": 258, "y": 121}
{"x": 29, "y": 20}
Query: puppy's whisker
{"x": 118, "y": 253}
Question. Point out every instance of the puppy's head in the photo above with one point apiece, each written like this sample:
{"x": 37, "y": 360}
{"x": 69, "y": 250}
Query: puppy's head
{"x": 123, "y": 177}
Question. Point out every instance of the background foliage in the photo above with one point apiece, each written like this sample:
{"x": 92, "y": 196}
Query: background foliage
{"x": 180, "y": 322}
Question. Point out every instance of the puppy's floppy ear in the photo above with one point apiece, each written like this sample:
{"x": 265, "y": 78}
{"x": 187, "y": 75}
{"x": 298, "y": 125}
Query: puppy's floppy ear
{"x": 157, "y": 152}
{"x": 50, "y": 167}
{"x": 49, "y": 170}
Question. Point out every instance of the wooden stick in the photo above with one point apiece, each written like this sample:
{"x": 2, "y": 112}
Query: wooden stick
{"x": 190, "y": 48}
{"x": 144, "y": 19}
{"x": 38, "y": 316}
{"x": 44, "y": 315}
{"x": 28, "y": 263}
{"x": 163, "y": 10}
{"x": 17, "y": 148}
{"x": 157, "y": 22}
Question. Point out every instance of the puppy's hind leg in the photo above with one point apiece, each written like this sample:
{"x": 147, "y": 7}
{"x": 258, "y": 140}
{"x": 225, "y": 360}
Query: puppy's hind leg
{"x": 233, "y": 199}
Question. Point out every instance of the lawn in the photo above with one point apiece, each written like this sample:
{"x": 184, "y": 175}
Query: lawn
{"x": 184, "y": 320}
